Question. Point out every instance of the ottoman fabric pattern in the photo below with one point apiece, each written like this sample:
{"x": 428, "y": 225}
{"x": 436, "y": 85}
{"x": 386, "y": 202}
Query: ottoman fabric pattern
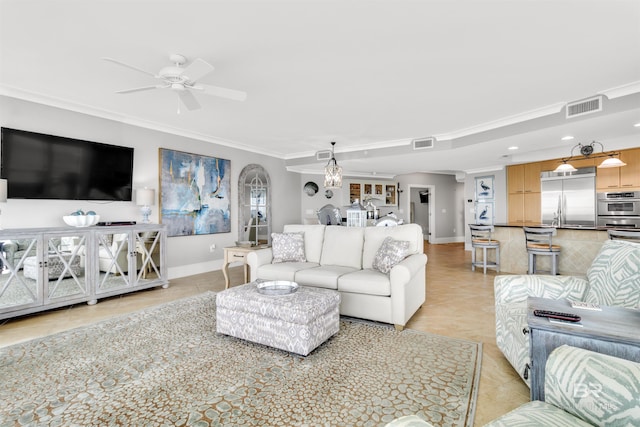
{"x": 55, "y": 267}
{"x": 297, "y": 323}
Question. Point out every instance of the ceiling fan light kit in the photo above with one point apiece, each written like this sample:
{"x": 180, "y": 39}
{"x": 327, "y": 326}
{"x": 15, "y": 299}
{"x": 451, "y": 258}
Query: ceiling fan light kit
{"x": 611, "y": 158}
{"x": 182, "y": 80}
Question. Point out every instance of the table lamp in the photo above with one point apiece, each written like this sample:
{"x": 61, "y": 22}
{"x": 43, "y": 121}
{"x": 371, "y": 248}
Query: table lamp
{"x": 145, "y": 197}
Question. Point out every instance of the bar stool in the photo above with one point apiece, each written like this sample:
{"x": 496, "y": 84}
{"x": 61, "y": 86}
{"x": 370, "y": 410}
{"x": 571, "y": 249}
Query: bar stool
{"x": 539, "y": 242}
{"x": 481, "y": 238}
{"x": 630, "y": 235}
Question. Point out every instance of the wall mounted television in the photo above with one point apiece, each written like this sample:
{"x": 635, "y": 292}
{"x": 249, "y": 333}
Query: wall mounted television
{"x": 39, "y": 166}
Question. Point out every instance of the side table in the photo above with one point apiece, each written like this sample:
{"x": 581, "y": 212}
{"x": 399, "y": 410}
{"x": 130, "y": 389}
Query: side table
{"x": 237, "y": 254}
{"x": 612, "y": 331}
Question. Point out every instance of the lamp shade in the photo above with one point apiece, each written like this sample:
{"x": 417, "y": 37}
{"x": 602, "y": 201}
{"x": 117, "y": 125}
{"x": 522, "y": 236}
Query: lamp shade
{"x": 565, "y": 167}
{"x": 145, "y": 196}
{"x": 612, "y": 162}
{"x": 3, "y": 190}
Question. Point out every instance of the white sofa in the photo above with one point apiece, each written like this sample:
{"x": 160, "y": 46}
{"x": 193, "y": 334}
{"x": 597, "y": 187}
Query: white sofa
{"x": 342, "y": 258}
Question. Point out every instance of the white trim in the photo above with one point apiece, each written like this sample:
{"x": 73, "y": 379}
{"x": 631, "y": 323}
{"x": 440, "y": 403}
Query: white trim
{"x": 505, "y": 121}
{"x": 192, "y": 269}
{"x": 17, "y": 93}
{"x": 618, "y": 91}
{"x": 442, "y": 240}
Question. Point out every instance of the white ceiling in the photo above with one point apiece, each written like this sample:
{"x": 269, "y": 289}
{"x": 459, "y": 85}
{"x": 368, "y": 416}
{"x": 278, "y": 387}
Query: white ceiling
{"x": 480, "y": 76}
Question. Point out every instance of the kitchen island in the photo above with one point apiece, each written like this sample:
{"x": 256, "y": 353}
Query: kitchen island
{"x": 580, "y": 245}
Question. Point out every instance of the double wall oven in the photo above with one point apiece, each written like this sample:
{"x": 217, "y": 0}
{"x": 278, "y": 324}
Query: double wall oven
{"x": 620, "y": 209}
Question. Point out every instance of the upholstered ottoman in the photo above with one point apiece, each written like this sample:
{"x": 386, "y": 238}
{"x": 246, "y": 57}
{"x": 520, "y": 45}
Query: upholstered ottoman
{"x": 297, "y": 322}
{"x": 54, "y": 267}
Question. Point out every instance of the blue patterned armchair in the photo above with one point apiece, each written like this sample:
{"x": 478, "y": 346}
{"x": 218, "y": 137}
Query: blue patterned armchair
{"x": 582, "y": 388}
{"x": 612, "y": 280}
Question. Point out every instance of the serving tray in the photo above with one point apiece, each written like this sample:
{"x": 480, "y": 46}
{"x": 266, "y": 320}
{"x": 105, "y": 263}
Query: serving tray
{"x": 277, "y": 287}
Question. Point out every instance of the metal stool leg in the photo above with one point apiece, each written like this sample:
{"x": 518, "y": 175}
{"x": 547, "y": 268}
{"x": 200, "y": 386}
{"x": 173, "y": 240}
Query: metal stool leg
{"x": 473, "y": 258}
{"x": 484, "y": 259}
{"x": 532, "y": 264}
{"x": 497, "y": 259}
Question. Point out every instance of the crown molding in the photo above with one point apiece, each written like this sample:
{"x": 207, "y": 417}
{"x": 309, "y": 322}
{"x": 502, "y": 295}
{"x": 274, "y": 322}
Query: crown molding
{"x": 619, "y": 91}
{"x": 38, "y": 98}
{"x": 505, "y": 121}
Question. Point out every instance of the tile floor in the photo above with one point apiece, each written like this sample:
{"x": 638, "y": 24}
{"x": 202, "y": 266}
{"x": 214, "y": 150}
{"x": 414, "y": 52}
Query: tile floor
{"x": 459, "y": 304}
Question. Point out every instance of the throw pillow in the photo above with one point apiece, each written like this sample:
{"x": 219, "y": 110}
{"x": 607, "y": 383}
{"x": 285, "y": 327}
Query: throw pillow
{"x": 389, "y": 254}
{"x": 288, "y": 247}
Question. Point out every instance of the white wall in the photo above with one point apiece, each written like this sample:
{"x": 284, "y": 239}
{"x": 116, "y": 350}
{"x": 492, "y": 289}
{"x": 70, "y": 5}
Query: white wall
{"x": 185, "y": 254}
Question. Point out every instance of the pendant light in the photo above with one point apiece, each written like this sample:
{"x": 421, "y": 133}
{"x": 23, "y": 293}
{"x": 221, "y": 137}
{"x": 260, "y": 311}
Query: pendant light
{"x": 332, "y": 172}
{"x": 611, "y": 160}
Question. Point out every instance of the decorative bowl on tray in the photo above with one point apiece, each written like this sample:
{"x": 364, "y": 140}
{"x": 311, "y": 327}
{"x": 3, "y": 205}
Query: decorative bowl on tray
{"x": 277, "y": 287}
{"x": 81, "y": 220}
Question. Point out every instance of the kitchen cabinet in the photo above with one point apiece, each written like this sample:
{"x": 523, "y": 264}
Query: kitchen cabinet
{"x": 523, "y": 201}
{"x": 625, "y": 177}
{"x": 53, "y": 267}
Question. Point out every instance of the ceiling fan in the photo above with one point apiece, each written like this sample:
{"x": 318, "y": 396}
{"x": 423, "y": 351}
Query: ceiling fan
{"x": 183, "y": 80}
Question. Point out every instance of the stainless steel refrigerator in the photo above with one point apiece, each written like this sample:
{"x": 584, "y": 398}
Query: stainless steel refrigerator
{"x": 569, "y": 200}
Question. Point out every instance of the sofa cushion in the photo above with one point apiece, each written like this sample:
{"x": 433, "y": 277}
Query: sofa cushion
{"x": 324, "y": 276}
{"x": 283, "y": 270}
{"x": 374, "y": 236}
{"x": 389, "y": 254}
{"x": 343, "y": 246}
{"x": 313, "y": 238}
{"x": 287, "y": 247}
{"x": 536, "y": 414}
{"x": 614, "y": 276}
{"x": 368, "y": 281}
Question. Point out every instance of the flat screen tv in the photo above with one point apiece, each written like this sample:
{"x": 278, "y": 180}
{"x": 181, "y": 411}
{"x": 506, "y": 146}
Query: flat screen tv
{"x": 39, "y": 166}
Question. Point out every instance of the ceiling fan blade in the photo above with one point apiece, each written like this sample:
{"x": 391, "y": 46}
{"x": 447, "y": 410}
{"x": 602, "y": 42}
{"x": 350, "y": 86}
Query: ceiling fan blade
{"x": 236, "y": 95}
{"x": 188, "y": 100}
{"x": 197, "y": 69}
{"x": 139, "y": 89}
{"x": 115, "y": 61}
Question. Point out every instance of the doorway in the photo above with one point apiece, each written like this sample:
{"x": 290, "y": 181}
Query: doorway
{"x": 421, "y": 207}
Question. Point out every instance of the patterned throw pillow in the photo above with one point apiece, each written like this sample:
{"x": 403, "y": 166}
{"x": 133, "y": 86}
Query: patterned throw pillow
{"x": 288, "y": 247}
{"x": 389, "y": 254}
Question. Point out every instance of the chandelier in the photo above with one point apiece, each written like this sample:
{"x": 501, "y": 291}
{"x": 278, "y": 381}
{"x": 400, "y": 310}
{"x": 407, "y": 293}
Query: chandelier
{"x": 332, "y": 172}
{"x": 611, "y": 159}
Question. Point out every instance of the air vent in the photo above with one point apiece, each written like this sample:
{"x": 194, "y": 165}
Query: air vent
{"x": 586, "y": 106}
{"x": 422, "y": 143}
{"x": 323, "y": 155}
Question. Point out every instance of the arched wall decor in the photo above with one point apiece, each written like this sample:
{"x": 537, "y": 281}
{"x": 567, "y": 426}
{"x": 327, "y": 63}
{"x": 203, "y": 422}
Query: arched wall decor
{"x": 254, "y": 205}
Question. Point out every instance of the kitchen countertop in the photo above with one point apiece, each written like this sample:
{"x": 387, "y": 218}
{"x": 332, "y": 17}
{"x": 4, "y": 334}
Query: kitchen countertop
{"x": 561, "y": 227}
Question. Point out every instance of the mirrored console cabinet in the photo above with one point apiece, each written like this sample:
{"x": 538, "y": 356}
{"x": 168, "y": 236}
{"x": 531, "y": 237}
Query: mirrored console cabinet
{"x": 45, "y": 268}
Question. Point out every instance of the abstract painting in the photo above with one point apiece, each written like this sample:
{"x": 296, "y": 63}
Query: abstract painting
{"x": 194, "y": 193}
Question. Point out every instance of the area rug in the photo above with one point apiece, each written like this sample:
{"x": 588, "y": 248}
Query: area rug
{"x": 166, "y": 366}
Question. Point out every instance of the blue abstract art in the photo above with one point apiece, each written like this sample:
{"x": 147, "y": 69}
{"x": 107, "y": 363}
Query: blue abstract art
{"x": 194, "y": 193}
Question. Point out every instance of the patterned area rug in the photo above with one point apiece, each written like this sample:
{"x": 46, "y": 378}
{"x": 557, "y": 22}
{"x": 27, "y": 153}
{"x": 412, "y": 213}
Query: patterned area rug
{"x": 167, "y": 366}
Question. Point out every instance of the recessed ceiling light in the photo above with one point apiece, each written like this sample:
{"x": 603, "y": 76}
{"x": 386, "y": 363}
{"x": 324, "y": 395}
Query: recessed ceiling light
{"x": 567, "y": 138}
{"x": 637, "y": 125}
{"x": 512, "y": 148}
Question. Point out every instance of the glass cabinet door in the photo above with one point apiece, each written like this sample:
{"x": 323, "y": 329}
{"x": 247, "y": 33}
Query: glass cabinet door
{"x": 64, "y": 263}
{"x": 148, "y": 256}
{"x": 113, "y": 261}
{"x": 19, "y": 281}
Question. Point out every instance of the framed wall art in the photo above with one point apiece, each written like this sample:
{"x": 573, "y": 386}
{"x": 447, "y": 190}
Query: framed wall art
{"x": 484, "y": 187}
{"x": 194, "y": 193}
{"x": 484, "y": 213}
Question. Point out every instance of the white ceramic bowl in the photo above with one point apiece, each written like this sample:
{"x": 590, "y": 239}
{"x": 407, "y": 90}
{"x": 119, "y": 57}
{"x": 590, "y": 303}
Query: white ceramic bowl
{"x": 81, "y": 220}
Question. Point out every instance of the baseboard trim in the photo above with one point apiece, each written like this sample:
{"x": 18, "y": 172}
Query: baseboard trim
{"x": 455, "y": 239}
